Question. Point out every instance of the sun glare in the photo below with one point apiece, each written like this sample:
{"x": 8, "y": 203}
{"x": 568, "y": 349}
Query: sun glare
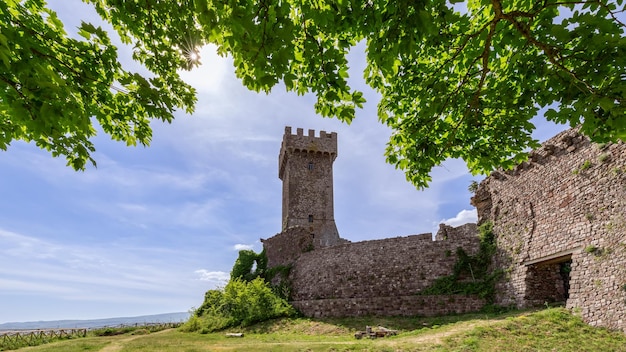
{"x": 190, "y": 50}
{"x": 194, "y": 56}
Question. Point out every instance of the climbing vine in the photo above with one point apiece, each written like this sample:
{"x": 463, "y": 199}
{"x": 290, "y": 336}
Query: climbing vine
{"x": 249, "y": 265}
{"x": 278, "y": 278}
{"x": 472, "y": 274}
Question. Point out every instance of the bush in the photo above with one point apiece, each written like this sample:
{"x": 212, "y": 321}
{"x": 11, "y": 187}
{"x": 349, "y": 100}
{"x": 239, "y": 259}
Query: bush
{"x": 193, "y": 324}
{"x": 140, "y": 332}
{"x": 240, "y": 303}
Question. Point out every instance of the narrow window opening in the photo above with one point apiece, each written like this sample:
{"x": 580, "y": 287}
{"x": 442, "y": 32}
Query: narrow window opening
{"x": 311, "y": 165}
{"x": 310, "y": 218}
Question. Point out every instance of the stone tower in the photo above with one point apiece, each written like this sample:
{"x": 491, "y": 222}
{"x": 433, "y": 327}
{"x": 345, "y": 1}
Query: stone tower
{"x": 305, "y": 166}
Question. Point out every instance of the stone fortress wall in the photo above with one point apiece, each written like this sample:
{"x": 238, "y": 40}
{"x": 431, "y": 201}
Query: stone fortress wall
{"x": 377, "y": 277}
{"x": 560, "y": 220}
{"x": 560, "y": 225}
{"x": 382, "y": 277}
{"x": 330, "y": 276}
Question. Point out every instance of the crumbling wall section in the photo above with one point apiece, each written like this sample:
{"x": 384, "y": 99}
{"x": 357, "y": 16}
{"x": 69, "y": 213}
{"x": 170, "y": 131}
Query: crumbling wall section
{"x": 287, "y": 246}
{"x": 568, "y": 202}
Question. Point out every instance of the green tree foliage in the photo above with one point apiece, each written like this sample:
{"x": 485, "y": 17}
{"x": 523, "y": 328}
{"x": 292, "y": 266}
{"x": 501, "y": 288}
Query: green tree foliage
{"x": 461, "y": 84}
{"x": 249, "y": 265}
{"x": 53, "y": 88}
{"x": 240, "y": 303}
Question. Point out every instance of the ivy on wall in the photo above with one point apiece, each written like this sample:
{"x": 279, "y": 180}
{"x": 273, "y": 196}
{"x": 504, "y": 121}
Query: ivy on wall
{"x": 472, "y": 274}
{"x": 250, "y": 265}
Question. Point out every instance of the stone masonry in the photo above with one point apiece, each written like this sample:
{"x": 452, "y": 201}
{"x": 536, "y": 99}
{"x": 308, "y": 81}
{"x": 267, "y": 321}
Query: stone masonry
{"x": 382, "y": 277}
{"x": 331, "y": 276}
{"x": 560, "y": 221}
{"x": 305, "y": 166}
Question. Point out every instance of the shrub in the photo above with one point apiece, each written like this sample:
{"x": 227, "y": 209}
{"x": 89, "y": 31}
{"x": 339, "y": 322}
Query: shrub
{"x": 193, "y": 324}
{"x": 591, "y": 248}
{"x": 240, "y": 303}
{"x": 585, "y": 165}
{"x": 142, "y": 331}
{"x": 604, "y": 157}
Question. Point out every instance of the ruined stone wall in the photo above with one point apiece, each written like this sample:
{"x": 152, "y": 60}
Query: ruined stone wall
{"x": 381, "y": 276}
{"x": 412, "y": 305}
{"x": 287, "y": 246}
{"x": 567, "y": 203}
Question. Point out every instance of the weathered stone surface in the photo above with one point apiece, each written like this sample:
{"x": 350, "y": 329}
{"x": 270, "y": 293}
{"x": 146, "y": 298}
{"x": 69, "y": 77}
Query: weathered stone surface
{"x": 559, "y": 220}
{"x": 389, "y": 306}
{"x": 571, "y": 202}
{"x": 391, "y": 267}
{"x": 306, "y": 168}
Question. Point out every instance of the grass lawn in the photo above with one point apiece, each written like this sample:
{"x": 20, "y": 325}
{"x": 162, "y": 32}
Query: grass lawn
{"x": 552, "y": 329}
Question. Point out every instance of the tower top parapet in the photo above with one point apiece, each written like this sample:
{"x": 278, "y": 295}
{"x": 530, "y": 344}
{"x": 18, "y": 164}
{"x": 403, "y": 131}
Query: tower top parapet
{"x": 326, "y": 143}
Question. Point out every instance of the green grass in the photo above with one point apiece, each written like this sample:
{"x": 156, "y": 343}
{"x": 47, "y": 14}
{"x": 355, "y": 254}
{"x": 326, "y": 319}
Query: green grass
{"x": 553, "y": 329}
{"x": 83, "y": 344}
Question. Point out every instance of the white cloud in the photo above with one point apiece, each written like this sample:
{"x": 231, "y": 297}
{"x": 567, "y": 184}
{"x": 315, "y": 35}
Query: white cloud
{"x": 110, "y": 174}
{"x": 23, "y": 286}
{"x": 217, "y": 278}
{"x": 199, "y": 214}
{"x": 16, "y": 245}
{"x": 463, "y": 217}
{"x": 81, "y": 270}
{"x": 241, "y": 247}
{"x": 205, "y": 213}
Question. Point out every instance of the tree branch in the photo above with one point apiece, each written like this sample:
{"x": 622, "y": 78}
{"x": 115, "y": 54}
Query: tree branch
{"x": 15, "y": 87}
{"x": 550, "y": 52}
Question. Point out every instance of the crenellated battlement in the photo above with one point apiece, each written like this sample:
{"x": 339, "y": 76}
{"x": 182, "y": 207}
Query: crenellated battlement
{"x": 311, "y": 135}
{"x": 325, "y": 144}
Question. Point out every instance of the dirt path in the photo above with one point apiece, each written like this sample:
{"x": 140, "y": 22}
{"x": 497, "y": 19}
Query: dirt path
{"x": 118, "y": 344}
{"x": 438, "y": 336}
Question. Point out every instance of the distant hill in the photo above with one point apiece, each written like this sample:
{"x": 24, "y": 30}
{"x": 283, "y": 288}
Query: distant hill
{"x": 97, "y": 323}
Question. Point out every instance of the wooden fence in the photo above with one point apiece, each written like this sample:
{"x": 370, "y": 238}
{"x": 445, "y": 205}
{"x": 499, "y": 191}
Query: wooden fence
{"x": 14, "y": 339}
{"x": 10, "y": 340}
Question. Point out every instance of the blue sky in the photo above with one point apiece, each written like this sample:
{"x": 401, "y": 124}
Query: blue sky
{"x": 151, "y": 229}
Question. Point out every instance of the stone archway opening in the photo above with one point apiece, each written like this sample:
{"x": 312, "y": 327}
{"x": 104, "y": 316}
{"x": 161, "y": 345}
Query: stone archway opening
{"x": 547, "y": 281}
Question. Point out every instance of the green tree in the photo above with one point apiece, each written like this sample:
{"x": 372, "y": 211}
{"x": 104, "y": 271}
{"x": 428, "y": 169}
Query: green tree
{"x": 53, "y": 88}
{"x": 461, "y": 84}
